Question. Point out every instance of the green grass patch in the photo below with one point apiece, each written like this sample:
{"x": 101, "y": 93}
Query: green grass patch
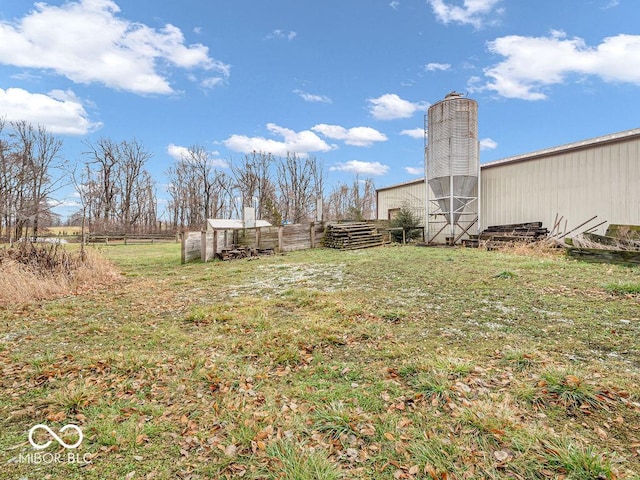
{"x": 394, "y": 362}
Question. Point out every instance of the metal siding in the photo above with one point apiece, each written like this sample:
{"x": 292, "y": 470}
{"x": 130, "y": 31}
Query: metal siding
{"x": 603, "y": 180}
{"x": 412, "y": 195}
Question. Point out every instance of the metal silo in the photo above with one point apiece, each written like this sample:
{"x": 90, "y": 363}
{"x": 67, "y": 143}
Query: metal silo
{"x": 452, "y": 167}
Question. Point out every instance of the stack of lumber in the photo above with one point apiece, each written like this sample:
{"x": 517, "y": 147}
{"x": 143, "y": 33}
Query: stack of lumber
{"x": 351, "y": 236}
{"x": 515, "y": 232}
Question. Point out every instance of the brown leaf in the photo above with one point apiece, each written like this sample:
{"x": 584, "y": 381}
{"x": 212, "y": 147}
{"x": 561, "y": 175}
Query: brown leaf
{"x": 601, "y": 433}
{"x": 572, "y": 380}
{"x": 389, "y": 436}
{"x": 501, "y": 455}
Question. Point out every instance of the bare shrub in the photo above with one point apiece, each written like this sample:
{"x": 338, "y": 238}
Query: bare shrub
{"x": 31, "y": 272}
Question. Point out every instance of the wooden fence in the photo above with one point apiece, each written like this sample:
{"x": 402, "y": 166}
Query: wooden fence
{"x": 206, "y": 245}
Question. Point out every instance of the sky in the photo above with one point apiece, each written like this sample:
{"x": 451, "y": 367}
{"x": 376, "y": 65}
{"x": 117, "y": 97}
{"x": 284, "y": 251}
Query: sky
{"x": 346, "y": 81}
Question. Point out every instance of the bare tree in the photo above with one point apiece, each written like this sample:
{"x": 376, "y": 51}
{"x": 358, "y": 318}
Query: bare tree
{"x": 252, "y": 178}
{"x": 198, "y": 190}
{"x": 103, "y": 163}
{"x": 115, "y": 184}
{"x": 299, "y": 182}
{"x": 131, "y": 160}
{"x": 39, "y": 155}
{"x": 355, "y": 202}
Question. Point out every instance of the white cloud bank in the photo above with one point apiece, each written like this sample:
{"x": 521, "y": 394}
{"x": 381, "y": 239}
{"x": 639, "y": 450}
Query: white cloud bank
{"x": 360, "y": 167}
{"x": 472, "y": 12}
{"x": 60, "y": 112}
{"x": 533, "y": 63}
{"x": 414, "y": 133}
{"x": 88, "y": 42}
{"x": 357, "y": 136}
{"x": 302, "y": 142}
{"x": 391, "y": 107}
{"x": 305, "y": 141}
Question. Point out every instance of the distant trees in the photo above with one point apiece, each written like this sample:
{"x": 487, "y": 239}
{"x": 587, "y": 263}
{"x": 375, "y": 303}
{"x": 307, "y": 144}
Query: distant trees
{"x": 352, "y": 202}
{"x": 300, "y": 182}
{"x": 197, "y": 190}
{"x": 30, "y": 161}
{"x": 280, "y": 189}
{"x": 116, "y": 191}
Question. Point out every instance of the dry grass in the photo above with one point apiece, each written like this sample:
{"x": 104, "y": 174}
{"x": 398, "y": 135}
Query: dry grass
{"x": 30, "y": 272}
{"x": 392, "y": 362}
{"x": 548, "y": 248}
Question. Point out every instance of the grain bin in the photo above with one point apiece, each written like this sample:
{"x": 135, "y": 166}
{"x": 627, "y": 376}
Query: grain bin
{"x": 452, "y": 167}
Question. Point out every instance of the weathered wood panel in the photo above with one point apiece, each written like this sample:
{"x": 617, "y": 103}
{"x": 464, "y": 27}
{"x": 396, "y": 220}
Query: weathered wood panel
{"x": 625, "y": 257}
{"x": 191, "y": 246}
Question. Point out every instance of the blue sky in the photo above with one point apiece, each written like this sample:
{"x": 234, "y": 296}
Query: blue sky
{"x": 347, "y": 81}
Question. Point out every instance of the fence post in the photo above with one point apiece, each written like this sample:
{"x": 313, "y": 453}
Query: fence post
{"x": 312, "y": 234}
{"x": 215, "y": 243}
{"x": 257, "y": 238}
{"x": 280, "y": 237}
{"x": 203, "y": 246}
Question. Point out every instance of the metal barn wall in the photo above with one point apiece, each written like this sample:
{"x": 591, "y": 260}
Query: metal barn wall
{"x": 589, "y": 178}
{"x": 411, "y": 194}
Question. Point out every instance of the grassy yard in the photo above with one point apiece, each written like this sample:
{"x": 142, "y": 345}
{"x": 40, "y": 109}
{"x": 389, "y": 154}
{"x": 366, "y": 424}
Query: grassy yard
{"x": 387, "y": 363}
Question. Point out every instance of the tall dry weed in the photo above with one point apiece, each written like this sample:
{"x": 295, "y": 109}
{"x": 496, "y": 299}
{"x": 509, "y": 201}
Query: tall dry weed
{"x": 31, "y": 272}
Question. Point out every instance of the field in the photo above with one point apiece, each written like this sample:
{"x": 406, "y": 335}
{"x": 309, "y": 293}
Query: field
{"x": 386, "y": 363}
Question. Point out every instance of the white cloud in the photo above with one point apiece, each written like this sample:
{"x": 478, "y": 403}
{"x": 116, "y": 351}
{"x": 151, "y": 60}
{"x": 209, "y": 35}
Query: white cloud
{"x": 532, "y": 63}
{"x": 472, "y": 12}
{"x": 61, "y": 112}
{"x": 432, "y": 67}
{"x": 302, "y": 142}
{"x": 88, "y": 42}
{"x": 414, "y": 170}
{"x": 211, "y": 82}
{"x": 357, "y": 136}
{"x": 488, "y": 144}
{"x": 390, "y": 107}
{"x": 395, "y": 4}
{"x": 181, "y": 153}
{"x": 359, "y": 167}
{"x": 413, "y": 133}
{"x": 282, "y": 34}
{"x": 308, "y": 97}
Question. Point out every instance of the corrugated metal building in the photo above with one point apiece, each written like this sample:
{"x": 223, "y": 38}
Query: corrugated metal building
{"x": 599, "y": 176}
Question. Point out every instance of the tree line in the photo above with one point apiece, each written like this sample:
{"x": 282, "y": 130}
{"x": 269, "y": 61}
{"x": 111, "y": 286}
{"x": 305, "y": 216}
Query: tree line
{"x": 117, "y": 193}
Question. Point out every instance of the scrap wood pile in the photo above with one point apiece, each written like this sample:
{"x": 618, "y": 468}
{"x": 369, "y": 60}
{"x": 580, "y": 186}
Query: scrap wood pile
{"x": 620, "y": 244}
{"x": 238, "y": 252}
{"x": 351, "y": 236}
{"x": 499, "y": 235}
